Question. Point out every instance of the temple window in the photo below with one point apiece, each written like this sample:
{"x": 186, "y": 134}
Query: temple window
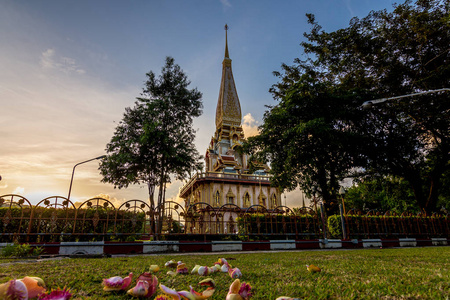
{"x": 230, "y": 197}
{"x": 274, "y": 201}
{"x": 217, "y": 199}
{"x": 246, "y": 200}
{"x": 262, "y": 200}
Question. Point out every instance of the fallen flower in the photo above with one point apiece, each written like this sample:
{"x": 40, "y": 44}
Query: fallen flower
{"x": 169, "y": 292}
{"x": 140, "y": 289}
{"x": 13, "y": 289}
{"x": 117, "y": 283}
{"x": 235, "y": 273}
{"x": 182, "y": 269}
{"x": 57, "y": 294}
{"x": 170, "y": 264}
{"x": 204, "y": 271}
{"x": 239, "y": 291}
{"x": 313, "y": 268}
{"x": 152, "y": 282}
{"x": 195, "y": 269}
{"x": 154, "y": 268}
{"x": 35, "y": 286}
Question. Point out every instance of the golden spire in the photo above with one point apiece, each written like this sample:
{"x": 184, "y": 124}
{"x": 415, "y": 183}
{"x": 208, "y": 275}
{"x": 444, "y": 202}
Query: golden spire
{"x": 227, "y": 55}
{"x": 228, "y": 107}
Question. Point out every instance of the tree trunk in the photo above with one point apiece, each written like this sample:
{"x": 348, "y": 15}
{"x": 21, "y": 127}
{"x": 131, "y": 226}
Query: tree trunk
{"x": 160, "y": 196}
{"x": 151, "y": 195}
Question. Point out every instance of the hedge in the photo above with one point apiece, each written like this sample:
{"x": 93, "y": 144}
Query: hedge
{"x": 49, "y": 224}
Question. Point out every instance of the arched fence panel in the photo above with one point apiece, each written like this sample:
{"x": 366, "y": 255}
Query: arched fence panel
{"x": 15, "y": 216}
{"x": 132, "y": 221}
{"x": 226, "y": 217}
{"x": 199, "y": 218}
{"x": 306, "y": 223}
{"x": 95, "y": 217}
{"x": 257, "y": 222}
{"x": 52, "y": 220}
{"x": 170, "y": 218}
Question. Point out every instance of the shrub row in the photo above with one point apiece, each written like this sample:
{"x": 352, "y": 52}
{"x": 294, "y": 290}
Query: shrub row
{"x": 266, "y": 224}
{"x": 49, "y": 224}
{"x": 41, "y": 224}
{"x": 377, "y": 226}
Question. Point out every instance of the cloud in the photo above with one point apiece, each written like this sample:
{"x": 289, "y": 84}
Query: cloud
{"x": 349, "y": 7}
{"x": 250, "y": 125}
{"x": 19, "y": 191}
{"x": 225, "y": 3}
{"x": 49, "y": 60}
{"x": 116, "y": 202}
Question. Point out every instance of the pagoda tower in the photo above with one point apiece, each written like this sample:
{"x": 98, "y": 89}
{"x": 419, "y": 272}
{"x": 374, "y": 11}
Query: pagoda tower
{"x": 227, "y": 179}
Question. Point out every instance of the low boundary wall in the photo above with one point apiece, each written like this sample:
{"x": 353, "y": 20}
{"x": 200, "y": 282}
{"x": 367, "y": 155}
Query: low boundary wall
{"x": 155, "y": 247}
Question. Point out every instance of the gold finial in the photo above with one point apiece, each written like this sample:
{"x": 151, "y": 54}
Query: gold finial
{"x": 227, "y": 55}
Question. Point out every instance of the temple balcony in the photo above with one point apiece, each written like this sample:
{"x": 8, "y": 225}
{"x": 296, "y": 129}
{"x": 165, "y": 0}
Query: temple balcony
{"x": 225, "y": 177}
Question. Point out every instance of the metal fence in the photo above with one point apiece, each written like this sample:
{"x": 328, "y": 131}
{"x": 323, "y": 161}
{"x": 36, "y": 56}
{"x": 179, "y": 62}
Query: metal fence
{"x": 56, "y": 219}
{"x": 374, "y": 224}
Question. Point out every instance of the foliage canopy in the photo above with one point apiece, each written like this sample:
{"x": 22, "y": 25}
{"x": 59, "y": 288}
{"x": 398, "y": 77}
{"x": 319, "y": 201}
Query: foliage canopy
{"x": 155, "y": 138}
{"x": 318, "y": 134}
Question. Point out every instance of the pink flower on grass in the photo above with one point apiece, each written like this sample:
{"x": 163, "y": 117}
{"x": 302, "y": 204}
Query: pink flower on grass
{"x": 57, "y": 294}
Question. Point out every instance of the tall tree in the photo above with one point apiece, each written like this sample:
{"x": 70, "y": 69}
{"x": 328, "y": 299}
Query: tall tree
{"x": 391, "y": 54}
{"x": 155, "y": 139}
{"x": 305, "y": 137}
{"x": 382, "y": 55}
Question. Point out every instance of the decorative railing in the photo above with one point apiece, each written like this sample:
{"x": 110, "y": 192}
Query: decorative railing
{"x": 222, "y": 175}
{"x": 375, "y": 224}
{"x": 255, "y": 222}
{"x": 57, "y": 219}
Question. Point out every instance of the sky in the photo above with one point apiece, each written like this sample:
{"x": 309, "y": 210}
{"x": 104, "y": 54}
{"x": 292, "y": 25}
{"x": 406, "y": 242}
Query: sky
{"x": 68, "y": 70}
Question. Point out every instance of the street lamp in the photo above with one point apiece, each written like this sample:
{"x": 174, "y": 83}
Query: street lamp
{"x": 73, "y": 171}
{"x": 342, "y": 193}
{"x": 369, "y": 104}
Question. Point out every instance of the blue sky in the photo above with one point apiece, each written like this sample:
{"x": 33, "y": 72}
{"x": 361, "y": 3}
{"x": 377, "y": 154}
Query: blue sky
{"x": 69, "y": 68}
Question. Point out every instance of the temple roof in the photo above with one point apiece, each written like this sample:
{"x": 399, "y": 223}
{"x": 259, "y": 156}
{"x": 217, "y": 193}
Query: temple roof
{"x": 228, "y": 106}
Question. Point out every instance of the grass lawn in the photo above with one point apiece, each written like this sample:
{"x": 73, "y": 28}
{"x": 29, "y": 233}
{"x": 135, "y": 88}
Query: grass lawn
{"x": 408, "y": 273}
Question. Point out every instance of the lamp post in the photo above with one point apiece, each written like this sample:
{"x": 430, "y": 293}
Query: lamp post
{"x": 314, "y": 192}
{"x": 342, "y": 193}
{"x": 370, "y": 103}
{"x": 73, "y": 171}
{"x": 342, "y": 212}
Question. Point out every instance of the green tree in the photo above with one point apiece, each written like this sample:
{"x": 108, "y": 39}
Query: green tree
{"x": 383, "y": 194}
{"x": 318, "y": 133}
{"x": 305, "y": 137}
{"x": 391, "y": 54}
{"x": 155, "y": 139}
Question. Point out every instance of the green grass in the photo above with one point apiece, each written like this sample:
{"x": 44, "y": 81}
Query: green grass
{"x": 409, "y": 273}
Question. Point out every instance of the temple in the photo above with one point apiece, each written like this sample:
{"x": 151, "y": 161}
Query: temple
{"x": 227, "y": 179}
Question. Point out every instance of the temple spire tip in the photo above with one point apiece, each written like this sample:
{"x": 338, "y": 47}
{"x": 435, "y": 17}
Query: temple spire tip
{"x": 227, "y": 55}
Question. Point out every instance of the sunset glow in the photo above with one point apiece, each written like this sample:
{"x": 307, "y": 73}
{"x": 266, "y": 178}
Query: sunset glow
{"x": 69, "y": 69}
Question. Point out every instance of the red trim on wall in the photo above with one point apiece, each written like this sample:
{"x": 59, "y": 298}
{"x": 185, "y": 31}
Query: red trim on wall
{"x": 193, "y": 246}
{"x": 257, "y": 245}
{"x": 123, "y": 248}
{"x": 307, "y": 244}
